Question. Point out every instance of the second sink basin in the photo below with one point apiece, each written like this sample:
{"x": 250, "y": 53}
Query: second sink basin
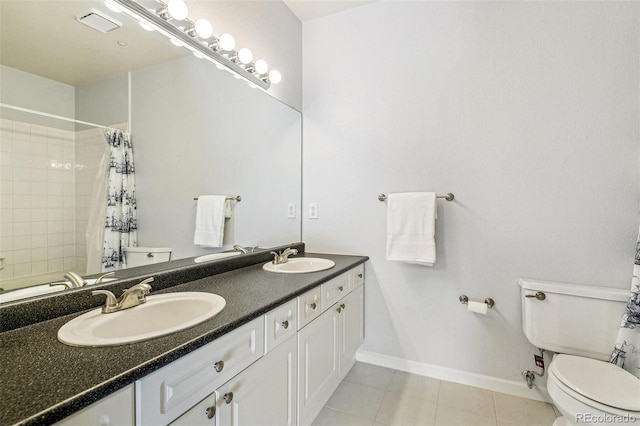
{"x": 161, "y": 314}
{"x": 300, "y": 265}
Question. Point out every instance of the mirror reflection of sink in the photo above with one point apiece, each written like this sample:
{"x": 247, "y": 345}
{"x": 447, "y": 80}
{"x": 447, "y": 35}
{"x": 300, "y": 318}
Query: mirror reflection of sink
{"x": 39, "y": 290}
{"x": 215, "y": 256}
{"x": 160, "y": 315}
{"x": 300, "y": 265}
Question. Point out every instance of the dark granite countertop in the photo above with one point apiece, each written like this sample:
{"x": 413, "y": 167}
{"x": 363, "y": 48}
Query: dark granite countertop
{"x": 43, "y": 380}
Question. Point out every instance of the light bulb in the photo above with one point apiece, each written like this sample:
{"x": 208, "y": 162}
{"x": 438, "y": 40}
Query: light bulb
{"x": 275, "y": 77}
{"x": 245, "y": 56}
{"x": 176, "y": 42}
{"x": 261, "y": 66}
{"x": 177, "y": 9}
{"x": 198, "y": 55}
{"x": 203, "y": 28}
{"x": 227, "y": 42}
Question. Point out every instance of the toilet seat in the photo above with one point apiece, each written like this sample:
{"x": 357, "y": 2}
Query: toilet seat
{"x": 597, "y": 383}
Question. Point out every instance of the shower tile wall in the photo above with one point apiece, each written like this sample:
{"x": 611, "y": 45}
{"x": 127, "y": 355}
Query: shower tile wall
{"x": 37, "y": 202}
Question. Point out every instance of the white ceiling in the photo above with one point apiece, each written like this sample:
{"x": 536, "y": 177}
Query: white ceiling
{"x": 312, "y": 9}
{"x": 44, "y": 38}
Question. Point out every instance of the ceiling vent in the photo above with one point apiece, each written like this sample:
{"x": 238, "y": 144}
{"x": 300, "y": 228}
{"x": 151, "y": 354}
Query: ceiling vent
{"x": 98, "y": 20}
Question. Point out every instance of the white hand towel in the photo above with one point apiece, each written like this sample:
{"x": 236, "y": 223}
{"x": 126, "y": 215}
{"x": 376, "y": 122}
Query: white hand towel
{"x": 210, "y": 216}
{"x": 411, "y": 227}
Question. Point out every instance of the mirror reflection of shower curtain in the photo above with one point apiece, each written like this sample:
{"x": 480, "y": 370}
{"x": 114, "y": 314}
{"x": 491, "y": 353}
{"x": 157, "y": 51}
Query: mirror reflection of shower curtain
{"x": 117, "y": 204}
{"x": 626, "y": 353}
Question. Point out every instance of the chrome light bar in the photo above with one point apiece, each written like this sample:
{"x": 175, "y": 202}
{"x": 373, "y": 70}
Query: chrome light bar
{"x": 165, "y": 27}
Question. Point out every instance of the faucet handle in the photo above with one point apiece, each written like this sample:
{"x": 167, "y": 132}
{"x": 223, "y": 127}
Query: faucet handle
{"x": 111, "y": 299}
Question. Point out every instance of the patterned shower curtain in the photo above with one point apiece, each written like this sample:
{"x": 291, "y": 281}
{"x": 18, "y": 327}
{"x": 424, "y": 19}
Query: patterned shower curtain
{"x": 626, "y": 353}
{"x": 120, "y": 223}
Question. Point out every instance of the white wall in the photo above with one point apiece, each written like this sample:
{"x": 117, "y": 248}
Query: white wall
{"x": 527, "y": 111}
{"x": 209, "y": 133}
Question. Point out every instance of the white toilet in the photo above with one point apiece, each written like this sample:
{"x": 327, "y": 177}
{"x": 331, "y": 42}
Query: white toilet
{"x": 140, "y": 256}
{"x": 580, "y": 323}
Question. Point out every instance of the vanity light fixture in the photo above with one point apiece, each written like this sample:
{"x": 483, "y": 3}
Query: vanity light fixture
{"x": 196, "y": 36}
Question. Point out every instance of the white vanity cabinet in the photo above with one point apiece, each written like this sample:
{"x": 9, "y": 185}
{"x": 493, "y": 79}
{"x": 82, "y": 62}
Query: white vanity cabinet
{"x": 278, "y": 369}
{"x": 327, "y": 345}
{"x": 166, "y": 394}
{"x": 114, "y": 410}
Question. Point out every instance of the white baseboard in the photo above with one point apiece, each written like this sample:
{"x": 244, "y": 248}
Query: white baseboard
{"x": 509, "y": 387}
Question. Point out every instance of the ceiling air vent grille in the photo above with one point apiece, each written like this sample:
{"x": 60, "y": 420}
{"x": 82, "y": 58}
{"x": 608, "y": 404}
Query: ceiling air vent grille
{"x": 98, "y": 20}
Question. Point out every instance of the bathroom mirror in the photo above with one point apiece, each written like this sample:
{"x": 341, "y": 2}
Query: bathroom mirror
{"x": 195, "y": 130}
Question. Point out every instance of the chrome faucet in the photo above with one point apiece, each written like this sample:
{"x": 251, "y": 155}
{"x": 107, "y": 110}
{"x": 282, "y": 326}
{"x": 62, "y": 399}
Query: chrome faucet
{"x": 283, "y": 256}
{"x": 103, "y": 276}
{"x": 75, "y": 280}
{"x": 244, "y": 250}
{"x": 131, "y": 297}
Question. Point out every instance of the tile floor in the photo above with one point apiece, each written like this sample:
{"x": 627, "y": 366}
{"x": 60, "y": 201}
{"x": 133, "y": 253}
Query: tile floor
{"x": 375, "y": 396}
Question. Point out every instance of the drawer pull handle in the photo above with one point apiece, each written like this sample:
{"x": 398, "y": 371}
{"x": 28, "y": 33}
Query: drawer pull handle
{"x": 359, "y": 275}
{"x": 342, "y": 306}
{"x": 228, "y": 397}
{"x": 285, "y": 324}
{"x": 219, "y": 366}
{"x": 210, "y": 412}
{"x": 339, "y": 309}
{"x": 340, "y": 288}
{"x": 313, "y": 306}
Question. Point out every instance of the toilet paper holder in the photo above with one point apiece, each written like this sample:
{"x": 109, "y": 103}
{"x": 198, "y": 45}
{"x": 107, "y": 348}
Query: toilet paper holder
{"x": 488, "y": 301}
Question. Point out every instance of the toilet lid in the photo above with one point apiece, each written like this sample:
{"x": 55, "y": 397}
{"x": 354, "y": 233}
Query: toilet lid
{"x": 600, "y": 381}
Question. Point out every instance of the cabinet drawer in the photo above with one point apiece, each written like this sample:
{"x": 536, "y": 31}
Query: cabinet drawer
{"x": 164, "y": 395}
{"x": 358, "y": 276}
{"x": 280, "y": 324}
{"x": 309, "y": 306}
{"x": 335, "y": 290}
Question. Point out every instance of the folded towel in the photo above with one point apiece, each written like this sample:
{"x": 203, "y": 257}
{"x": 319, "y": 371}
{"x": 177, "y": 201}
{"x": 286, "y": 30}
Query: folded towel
{"x": 411, "y": 227}
{"x": 210, "y": 216}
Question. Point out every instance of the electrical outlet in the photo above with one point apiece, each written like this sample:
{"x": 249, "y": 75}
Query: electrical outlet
{"x": 291, "y": 210}
{"x": 313, "y": 210}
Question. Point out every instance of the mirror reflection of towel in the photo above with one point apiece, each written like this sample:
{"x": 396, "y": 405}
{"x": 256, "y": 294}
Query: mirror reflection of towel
{"x": 411, "y": 227}
{"x": 210, "y": 216}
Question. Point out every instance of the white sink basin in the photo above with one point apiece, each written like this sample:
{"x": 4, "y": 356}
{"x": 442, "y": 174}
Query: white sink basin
{"x": 161, "y": 314}
{"x": 215, "y": 256}
{"x": 300, "y": 265}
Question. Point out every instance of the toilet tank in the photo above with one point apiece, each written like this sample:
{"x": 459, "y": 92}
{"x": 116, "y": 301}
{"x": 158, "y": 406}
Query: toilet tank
{"x": 139, "y": 256}
{"x": 572, "y": 319}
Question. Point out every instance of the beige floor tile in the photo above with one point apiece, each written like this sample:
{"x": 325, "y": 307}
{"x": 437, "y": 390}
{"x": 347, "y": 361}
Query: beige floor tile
{"x": 523, "y": 411}
{"x": 329, "y": 417}
{"x": 356, "y": 399}
{"x": 370, "y": 375}
{"x": 405, "y": 410}
{"x": 420, "y": 387}
{"x": 468, "y": 398}
{"x": 506, "y": 423}
{"x": 449, "y": 416}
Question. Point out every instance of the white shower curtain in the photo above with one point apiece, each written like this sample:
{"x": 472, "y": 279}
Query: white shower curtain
{"x": 120, "y": 224}
{"x": 626, "y": 353}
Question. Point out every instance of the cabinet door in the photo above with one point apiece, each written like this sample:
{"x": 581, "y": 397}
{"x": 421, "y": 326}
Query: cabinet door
{"x": 263, "y": 394}
{"x": 114, "y": 410}
{"x": 202, "y": 414}
{"x": 351, "y": 327}
{"x": 318, "y": 363}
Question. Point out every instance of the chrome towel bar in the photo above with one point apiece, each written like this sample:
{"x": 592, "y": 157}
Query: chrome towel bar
{"x": 449, "y": 197}
{"x": 237, "y": 198}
